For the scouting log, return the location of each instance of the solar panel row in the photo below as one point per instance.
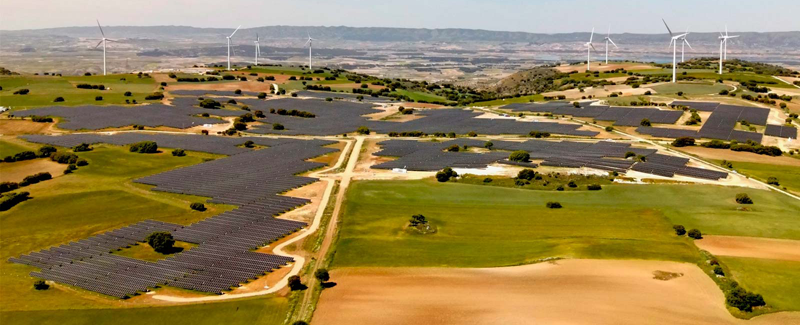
(782, 131)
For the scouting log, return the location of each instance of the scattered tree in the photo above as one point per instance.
(445, 174)
(695, 234)
(295, 283)
(679, 230)
(161, 241)
(363, 130)
(322, 275)
(144, 147)
(519, 155)
(197, 206)
(40, 285)
(553, 205)
(178, 152)
(743, 198)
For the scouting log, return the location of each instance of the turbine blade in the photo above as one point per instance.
(590, 44)
(735, 36)
(98, 43)
(101, 28)
(665, 25)
(687, 43)
(592, 36)
(234, 32)
(609, 32)
(612, 42)
(671, 40)
(726, 29)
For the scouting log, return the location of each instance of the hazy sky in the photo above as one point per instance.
(540, 16)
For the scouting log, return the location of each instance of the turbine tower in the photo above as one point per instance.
(103, 41)
(723, 47)
(309, 43)
(589, 48)
(608, 39)
(229, 46)
(674, 43)
(258, 48)
(684, 42)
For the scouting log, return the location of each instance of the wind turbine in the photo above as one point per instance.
(258, 48)
(589, 48)
(723, 47)
(674, 43)
(309, 43)
(608, 39)
(684, 42)
(229, 46)
(103, 41)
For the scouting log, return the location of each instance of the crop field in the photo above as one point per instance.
(778, 281)
(420, 96)
(94, 198)
(44, 89)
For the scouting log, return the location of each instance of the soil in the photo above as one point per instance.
(776, 249)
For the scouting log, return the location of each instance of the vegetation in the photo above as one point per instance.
(9, 200)
(178, 152)
(362, 130)
(446, 174)
(743, 198)
(683, 142)
(694, 234)
(161, 241)
(144, 147)
(553, 205)
(679, 230)
(519, 155)
(82, 147)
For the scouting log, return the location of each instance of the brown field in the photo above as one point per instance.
(17, 127)
(724, 154)
(16, 171)
(776, 249)
(599, 66)
(562, 292)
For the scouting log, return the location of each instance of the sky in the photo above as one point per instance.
(536, 16)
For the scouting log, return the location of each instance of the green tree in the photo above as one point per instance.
(519, 155)
(322, 275)
(161, 241)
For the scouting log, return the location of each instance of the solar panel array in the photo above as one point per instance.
(700, 106)
(223, 258)
(622, 116)
(203, 92)
(782, 131)
(343, 96)
(719, 125)
(101, 117)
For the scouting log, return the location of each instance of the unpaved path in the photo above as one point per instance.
(769, 248)
(564, 292)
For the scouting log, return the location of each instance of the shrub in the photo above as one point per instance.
(8, 186)
(609, 128)
(520, 182)
(717, 144)
(204, 132)
(7, 201)
(81, 162)
(237, 91)
(64, 158)
(742, 299)
(128, 94)
(718, 270)
(723, 92)
(41, 119)
(743, 198)
(537, 134)
(82, 147)
(144, 147)
(197, 206)
(683, 142)
(560, 188)
(161, 241)
(277, 126)
(58, 99)
(773, 181)
(519, 155)
(695, 234)
(178, 152)
(40, 285)
(322, 275)
(488, 145)
(259, 114)
(362, 130)
(210, 103)
(247, 117)
(630, 154)
(553, 205)
(594, 187)
(22, 92)
(295, 283)
(453, 148)
(239, 126)
(249, 144)
(645, 122)
(679, 230)
(25, 155)
(262, 95)
(98, 98)
(155, 96)
(572, 184)
(526, 173)
(487, 180)
(472, 134)
(445, 174)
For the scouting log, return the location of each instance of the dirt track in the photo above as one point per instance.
(776, 249)
(565, 292)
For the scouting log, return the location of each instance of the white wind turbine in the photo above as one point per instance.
(309, 43)
(589, 48)
(674, 43)
(608, 39)
(684, 42)
(258, 48)
(103, 41)
(229, 45)
(723, 47)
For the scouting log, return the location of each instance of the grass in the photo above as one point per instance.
(777, 281)
(44, 89)
(492, 226)
(261, 311)
(788, 176)
(549, 181)
(143, 251)
(10, 147)
(420, 96)
(514, 100)
(481, 226)
(95, 198)
(690, 88)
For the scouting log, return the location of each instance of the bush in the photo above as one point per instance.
(128, 94)
(239, 126)
(247, 117)
(295, 283)
(572, 184)
(472, 134)
(7, 201)
(155, 96)
(553, 205)
(144, 147)
(178, 152)
(453, 148)
(773, 181)
(723, 92)
(717, 144)
(645, 122)
(487, 180)
(98, 98)
(683, 142)
(210, 103)
(8, 186)
(594, 187)
(537, 134)
(22, 92)
(445, 174)
(64, 158)
(259, 114)
(25, 155)
(609, 128)
(41, 119)
(679, 230)
(526, 173)
(237, 91)
(161, 241)
(58, 99)
(197, 206)
(742, 299)
(743, 198)
(277, 126)
(322, 275)
(718, 270)
(519, 155)
(362, 130)
(40, 285)
(695, 234)
(82, 147)
(488, 145)
(81, 162)
(262, 95)
(560, 188)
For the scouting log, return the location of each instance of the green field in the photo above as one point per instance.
(44, 89)
(492, 226)
(778, 281)
(513, 100)
(10, 147)
(690, 88)
(260, 311)
(788, 176)
(94, 198)
(417, 96)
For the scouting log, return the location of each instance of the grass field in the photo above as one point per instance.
(549, 181)
(417, 96)
(260, 311)
(44, 89)
(690, 88)
(788, 176)
(94, 198)
(777, 281)
(713, 75)
(143, 251)
(10, 147)
(501, 102)
(492, 226)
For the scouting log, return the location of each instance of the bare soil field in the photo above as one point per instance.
(17, 127)
(561, 292)
(600, 91)
(16, 171)
(776, 249)
(598, 66)
(729, 155)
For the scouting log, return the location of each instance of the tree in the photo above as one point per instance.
(488, 145)
(58, 99)
(773, 181)
(743, 198)
(519, 155)
(553, 205)
(472, 134)
(363, 130)
(526, 174)
(240, 126)
(82, 147)
(144, 147)
(445, 174)
(98, 98)
(718, 270)
(683, 142)
(695, 234)
(40, 285)
(249, 144)
(277, 126)
(679, 230)
(81, 162)
(262, 95)
(178, 152)
(161, 241)
(210, 103)
(572, 184)
(645, 122)
(198, 206)
(322, 275)
(295, 283)
(128, 94)
(594, 187)
(259, 114)
(453, 148)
